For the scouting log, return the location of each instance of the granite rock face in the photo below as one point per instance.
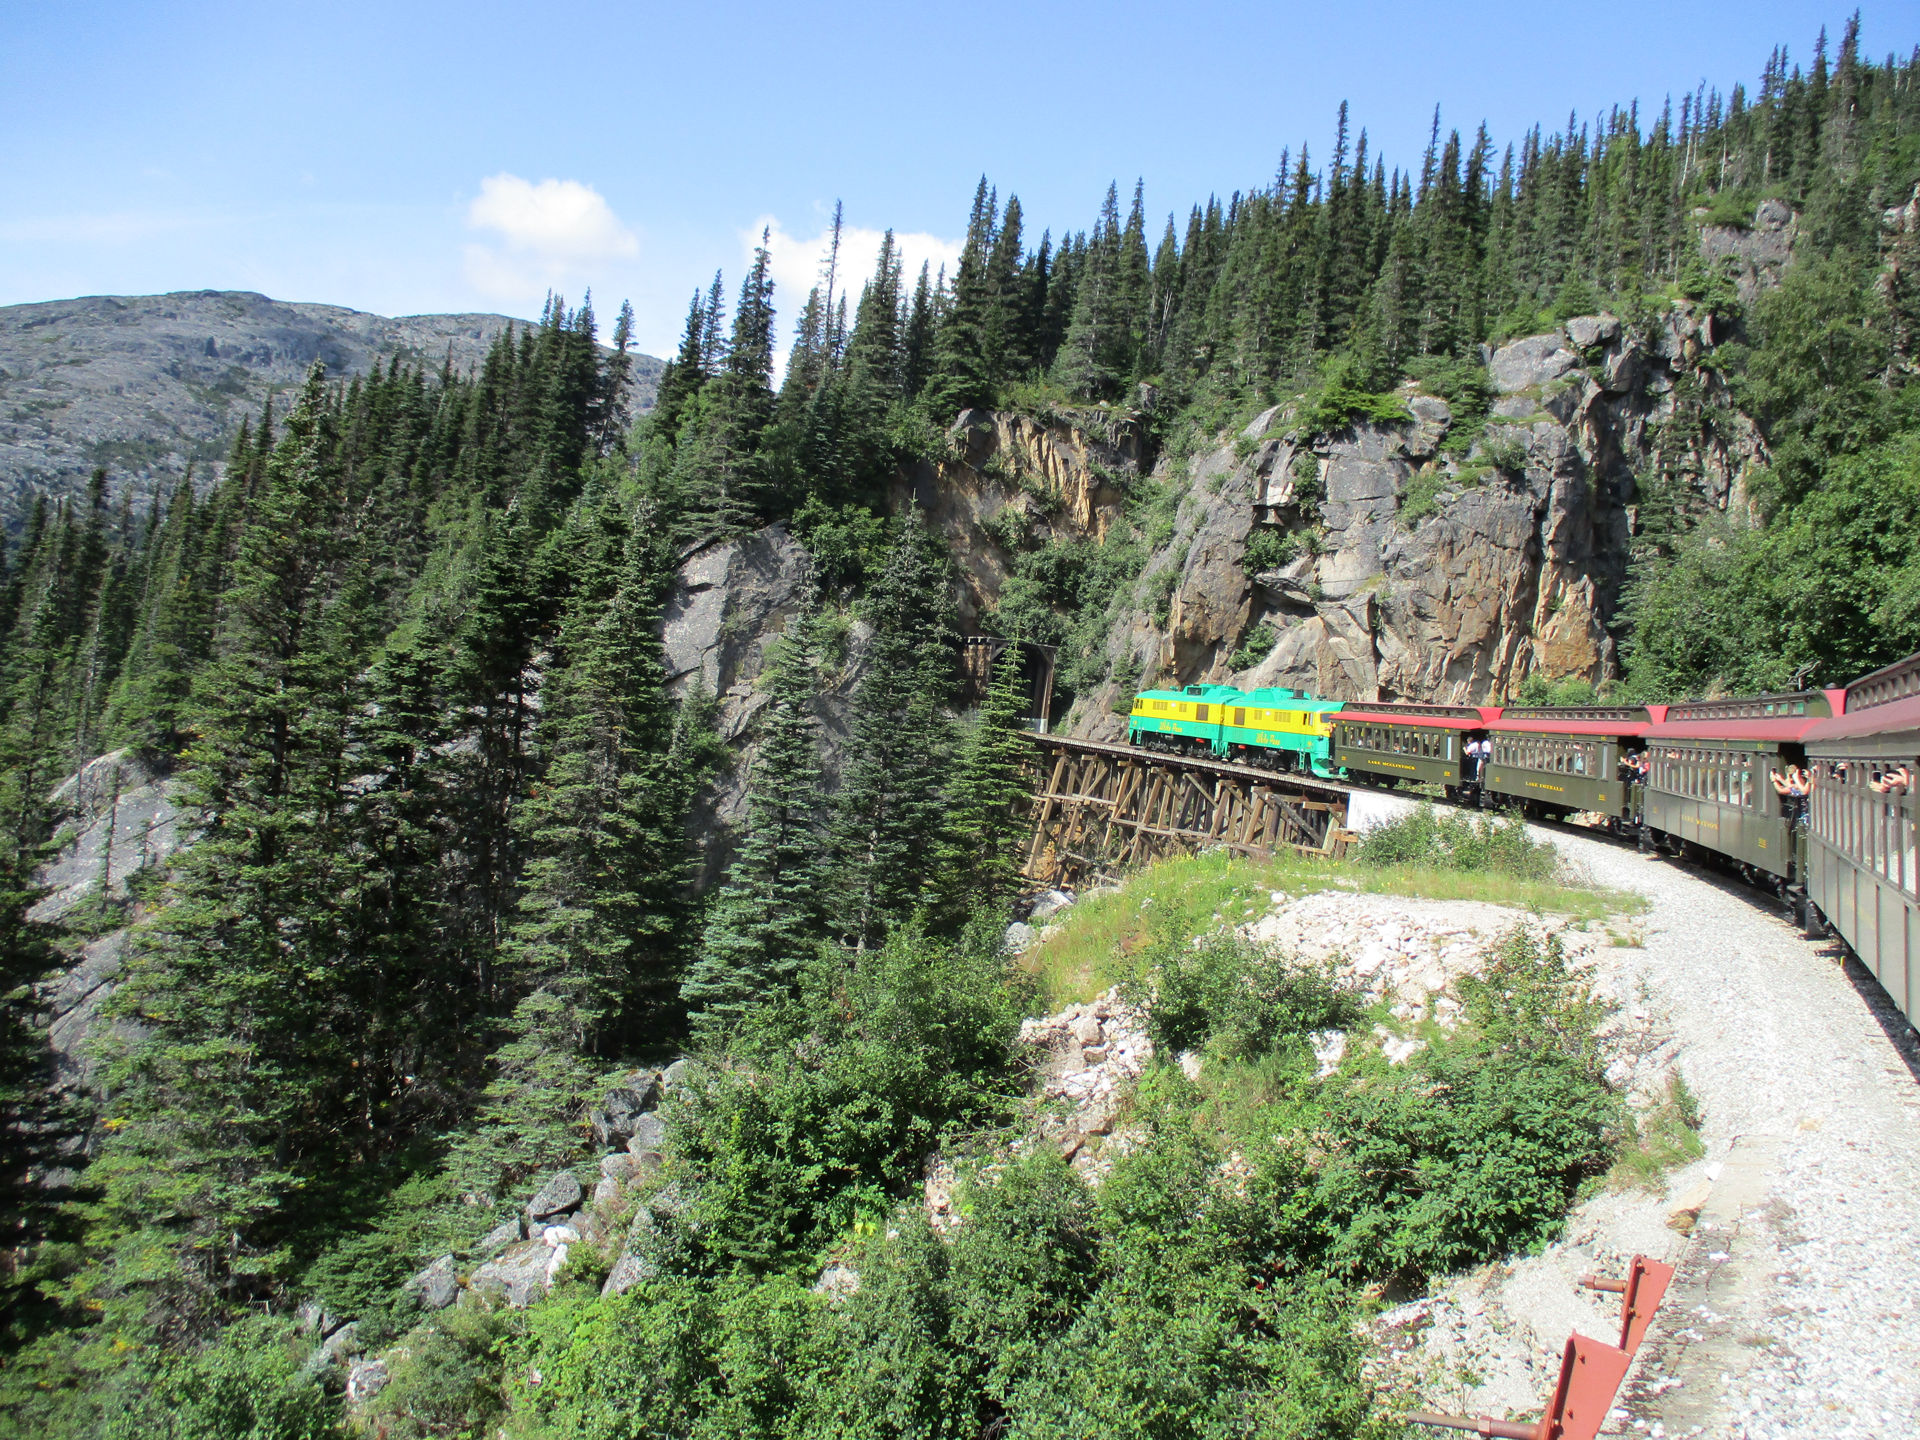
(145, 384)
(729, 602)
(124, 816)
(1017, 479)
(1760, 252)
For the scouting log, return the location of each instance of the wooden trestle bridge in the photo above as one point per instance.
(1099, 810)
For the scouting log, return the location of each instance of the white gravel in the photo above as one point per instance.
(1794, 1313)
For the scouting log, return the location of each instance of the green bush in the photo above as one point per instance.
(1341, 399)
(1537, 689)
(1505, 451)
(1269, 548)
(1429, 839)
(1472, 1150)
(1238, 999)
(1422, 495)
(445, 1378)
(824, 1110)
(246, 1385)
(845, 543)
(1254, 647)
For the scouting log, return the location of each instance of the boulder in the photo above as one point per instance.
(512, 1232)
(1051, 903)
(1019, 937)
(519, 1276)
(1088, 1030)
(837, 1282)
(1529, 363)
(366, 1379)
(561, 1192)
(628, 1271)
(342, 1345)
(630, 1096)
(674, 1076)
(1686, 1211)
(649, 1134)
(1587, 331)
(618, 1167)
(437, 1286)
(1432, 417)
(606, 1192)
(314, 1320)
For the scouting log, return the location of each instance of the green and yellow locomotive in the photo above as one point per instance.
(1273, 728)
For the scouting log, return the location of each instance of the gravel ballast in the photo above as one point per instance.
(1794, 1310)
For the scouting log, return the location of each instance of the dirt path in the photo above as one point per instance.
(1796, 1312)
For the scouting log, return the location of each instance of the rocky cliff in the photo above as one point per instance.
(1425, 559)
(144, 384)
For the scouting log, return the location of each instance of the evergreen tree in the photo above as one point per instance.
(227, 1105)
(979, 860)
(890, 807)
(770, 914)
(602, 906)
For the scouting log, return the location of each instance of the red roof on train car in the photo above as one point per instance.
(1885, 702)
(1780, 719)
(1880, 720)
(1628, 728)
(1788, 730)
(1474, 717)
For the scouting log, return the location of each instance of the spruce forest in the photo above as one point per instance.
(402, 660)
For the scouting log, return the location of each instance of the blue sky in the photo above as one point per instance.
(405, 157)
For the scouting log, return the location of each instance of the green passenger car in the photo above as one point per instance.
(1708, 779)
(1407, 742)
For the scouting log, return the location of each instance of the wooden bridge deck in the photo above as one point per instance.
(1099, 810)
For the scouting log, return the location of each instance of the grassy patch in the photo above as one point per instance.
(1667, 1137)
(1102, 941)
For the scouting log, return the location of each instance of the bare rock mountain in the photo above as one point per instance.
(146, 384)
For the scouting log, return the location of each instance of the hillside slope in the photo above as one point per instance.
(145, 384)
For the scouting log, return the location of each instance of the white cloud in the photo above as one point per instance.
(797, 263)
(549, 234)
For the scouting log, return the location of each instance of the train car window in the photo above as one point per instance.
(1200, 712)
(1240, 717)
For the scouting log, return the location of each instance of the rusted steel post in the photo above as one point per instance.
(1641, 1293)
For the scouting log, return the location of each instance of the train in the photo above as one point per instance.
(1689, 779)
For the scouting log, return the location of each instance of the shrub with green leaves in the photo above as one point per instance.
(246, 1385)
(1254, 647)
(1429, 839)
(823, 1110)
(1268, 548)
(1474, 1149)
(1238, 998)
